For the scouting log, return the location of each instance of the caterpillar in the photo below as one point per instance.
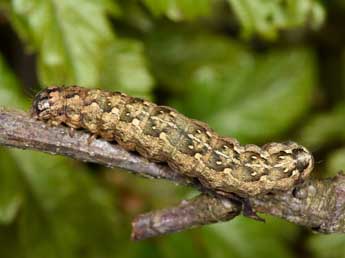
(161, 134)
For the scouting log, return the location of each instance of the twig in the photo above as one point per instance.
(201, 210)
(317, 204)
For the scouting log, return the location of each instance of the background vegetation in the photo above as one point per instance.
(256, 70)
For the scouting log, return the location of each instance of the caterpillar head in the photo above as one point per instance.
(48, 104)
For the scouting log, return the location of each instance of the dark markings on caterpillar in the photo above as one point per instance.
(161, 134)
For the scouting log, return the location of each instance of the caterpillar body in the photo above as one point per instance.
(161, 134)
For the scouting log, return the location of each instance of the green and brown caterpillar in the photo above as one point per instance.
(161, 134)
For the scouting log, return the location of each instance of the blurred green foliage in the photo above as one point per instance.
(268, 17)
(255, 70)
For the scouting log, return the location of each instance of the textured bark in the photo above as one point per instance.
(316, 204)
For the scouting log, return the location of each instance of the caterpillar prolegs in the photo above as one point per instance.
(190, 147)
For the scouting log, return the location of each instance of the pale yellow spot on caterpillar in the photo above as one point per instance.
(191, 147)
(295, 173)
(73, 99)
(94, 105)
(222, 154)
(237, 149)
(136, 122)
(163, 121)
(227, 171)
(75, 117)
(198, 156)
(191, 136)
(207, 146)
(252, 165)
(218, 162)
(163, 136)
(264, 178)
(236, 161)
(264, 155)
(115, 111)
(55, 123)
(279, 165)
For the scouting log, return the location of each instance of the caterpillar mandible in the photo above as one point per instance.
(190, 147)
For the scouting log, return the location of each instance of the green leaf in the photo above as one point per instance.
(268, 17)
(250, 96)
(327, 246)
(124, 69)
(66, 214)
(324, 129)
(10, 92)
(242, 238)
(68, 36)
(137, 17)
(279, 92)
(179, 9)
(11, 188)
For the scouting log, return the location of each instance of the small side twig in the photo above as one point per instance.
(201, 210)
(317, 204)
